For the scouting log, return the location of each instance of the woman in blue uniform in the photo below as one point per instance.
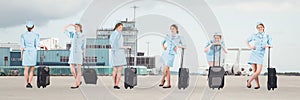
(117, 57)
(29, 43)
(258, 43)
(209, 49)
(173, 41)
(77, 51)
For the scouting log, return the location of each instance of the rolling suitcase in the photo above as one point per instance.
(183, 76)
(216, 73)
(89, 74)
(130, 77)
(43, 76)
(272, 78)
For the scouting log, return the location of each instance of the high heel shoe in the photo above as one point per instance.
(28, 85)
(257, 87)
(75, 87)
(249, 85)
(167, 87)
(116, 87)
(160, 85)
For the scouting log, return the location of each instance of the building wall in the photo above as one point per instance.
(15, 58)
(53, 57)
(51, 43)
(4, 56)
(13, 46)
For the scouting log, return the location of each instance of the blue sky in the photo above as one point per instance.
(237, 19)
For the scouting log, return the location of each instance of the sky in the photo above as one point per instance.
(237, 19)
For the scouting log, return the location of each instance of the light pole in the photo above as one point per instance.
(148, 48)
(134, 8)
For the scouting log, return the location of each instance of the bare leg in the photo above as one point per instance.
(164, 74)
(26, 74)
(72, 69)
(31, 74)
(168, 76)
(259, 67)
(119, 73)
(210, 63)
(252, 77)
(114, 74)
(78, 76)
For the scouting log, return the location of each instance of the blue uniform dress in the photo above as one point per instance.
(259, 40)
(117, 55)
(210, 53)
(168, 55)
(30, 42)
(77, 47)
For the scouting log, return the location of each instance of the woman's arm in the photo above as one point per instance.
(248, 45)
(22, 43)
(207, 47)
(269, 43)
(66, 27)
(163, 44)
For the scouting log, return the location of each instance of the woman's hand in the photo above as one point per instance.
(22, 49)
(206, 50)
(164, 48)
(268, 46)
(42, 47)
(175, 49)
(252, 47)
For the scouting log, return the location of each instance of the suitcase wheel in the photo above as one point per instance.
(125, 85)
(269, 88)
(38, 86)
(131, 87)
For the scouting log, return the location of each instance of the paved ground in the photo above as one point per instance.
(13, 88)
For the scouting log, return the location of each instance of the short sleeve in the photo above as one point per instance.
(164, 40)
(250, 39)
(69, 34)
(182, 42)
(208, 43)
(269, 42)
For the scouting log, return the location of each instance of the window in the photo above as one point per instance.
(64, 59)
(91, 59)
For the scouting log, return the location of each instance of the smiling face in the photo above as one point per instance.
(77, 28)
(173, 30)
(120, 28)
(260, 28)
(217, 38)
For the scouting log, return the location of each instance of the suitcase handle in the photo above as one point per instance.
(182, 53)
(214, 60)
(42, 55)
(269, 51)
(129, 57)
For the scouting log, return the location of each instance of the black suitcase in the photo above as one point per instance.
(272, 78)
(89, 74)
(183, 76)
(216, 73)
(43, 76)
(130, 77)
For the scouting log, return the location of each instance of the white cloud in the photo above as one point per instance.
(16, 12)
(274, 6)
